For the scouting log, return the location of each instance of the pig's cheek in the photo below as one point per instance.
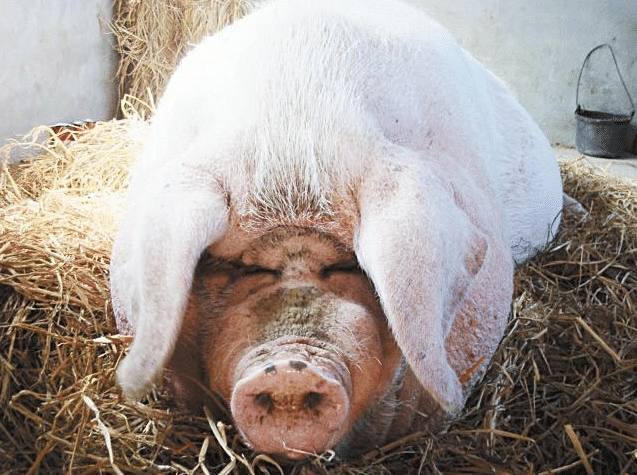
(230, 332)
(373, 356)
(234, 333)
(371, 379)
(184, 370)
(364, 319)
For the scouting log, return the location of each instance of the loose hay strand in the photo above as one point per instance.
(578, 448)
(599, 340)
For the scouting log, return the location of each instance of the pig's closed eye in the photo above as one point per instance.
(328, 271)
(256, 270)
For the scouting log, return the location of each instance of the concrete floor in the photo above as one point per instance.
(624, 168)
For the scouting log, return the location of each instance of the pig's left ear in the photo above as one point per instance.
(169, 222)
(429, 263)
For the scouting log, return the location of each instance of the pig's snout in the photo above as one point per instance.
(290, 407)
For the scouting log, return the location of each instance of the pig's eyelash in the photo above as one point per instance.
(243, 270)
(326, 272)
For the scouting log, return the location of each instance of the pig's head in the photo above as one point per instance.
(293, 338)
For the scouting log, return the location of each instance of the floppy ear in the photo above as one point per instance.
(424, 255)
(170, 220)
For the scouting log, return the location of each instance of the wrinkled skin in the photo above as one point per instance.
(323, 226)
(289, 332)
(292, 335)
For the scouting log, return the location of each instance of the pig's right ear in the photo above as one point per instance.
(422, 253)
(170, 220)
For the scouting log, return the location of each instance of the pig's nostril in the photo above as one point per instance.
(288, 405)
(312, 400)
(265, 401)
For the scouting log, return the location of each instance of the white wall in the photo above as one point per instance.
(57, 63)
(538, 47)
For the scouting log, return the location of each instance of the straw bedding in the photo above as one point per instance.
(560, 397)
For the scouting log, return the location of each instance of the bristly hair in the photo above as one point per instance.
(302, 140)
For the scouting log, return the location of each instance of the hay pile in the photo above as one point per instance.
(153, 36)
(560, 397)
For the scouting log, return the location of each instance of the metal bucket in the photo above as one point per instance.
(601, 134)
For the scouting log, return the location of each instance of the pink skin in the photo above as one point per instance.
(298, 402)
(289, 333)
(297, 347)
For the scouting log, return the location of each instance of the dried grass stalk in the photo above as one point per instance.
(153, 36)
(59, 212)
(560, 396)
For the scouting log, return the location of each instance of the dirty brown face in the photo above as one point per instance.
(292, 337)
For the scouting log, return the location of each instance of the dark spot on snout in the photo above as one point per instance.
(312, 400)
(265, 401)
(270, 369)
(298, 365)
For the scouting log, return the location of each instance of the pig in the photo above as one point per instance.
(322, 229)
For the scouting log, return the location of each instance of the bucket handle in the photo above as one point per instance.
(632, 105)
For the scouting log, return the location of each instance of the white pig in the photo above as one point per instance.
(323, 226)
